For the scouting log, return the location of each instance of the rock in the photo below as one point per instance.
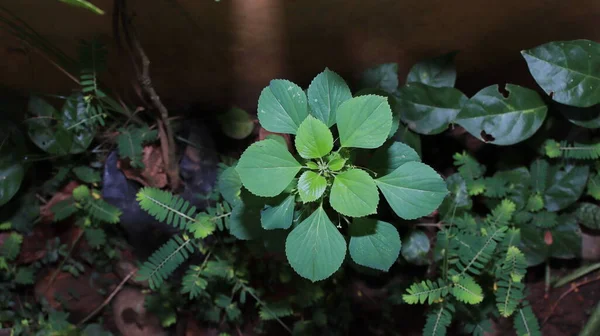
(131, 317)
(590, 245)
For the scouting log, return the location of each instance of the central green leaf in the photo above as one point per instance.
(413, 190)
(311, 186)
(282, 107)
(314, 139)
(354, 193)
(364, 122)
(266, 168)
(315, 248)
(374, 244)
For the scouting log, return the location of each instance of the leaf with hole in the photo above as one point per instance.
(266, 168)
(314, 139)
(567, 71)
(282, 107)
(325, 94)
(428, 109)
(493, 118)
(315, 248)
(311, 186)
(364, 122)
(354, 193)
(413, 190)
(375, 244)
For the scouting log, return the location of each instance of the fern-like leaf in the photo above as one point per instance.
(438, 321)
(164, 261)
(495, 187)
(102, 211)
(166, 207)
(468, 167)
(95, 237)
(63, 209)
(501, 214)
(588, 214)
(193, 283)
(12, 246)
(510, 286)
(475, 252)
(427, 290)
(545, 219)
(466, 290)
(554, 149)
(526, 323)
(25, 276)
(535, 203)
(130, 141)
(276, 310)
(593, 186)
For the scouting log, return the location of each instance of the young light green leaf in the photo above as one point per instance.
(312, 165)
(311, 186)
(230, 185)
(493, 118)
(84, 4)
(567, 71)
(336, 164)
(266, 168)
(354, 194)
(438, 72)
(315, 248)
(325, 94)
(282, 107)
(236, 123)
(384, 77)
(374, 244)
(364, 122)
(413, 190)
(314, 139)
(467, 290)
(11, 176)
(391, 156)
(428, 109)
(278, 216)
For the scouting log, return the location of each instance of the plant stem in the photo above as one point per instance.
(55, 274)
(547, 279)
(251, 292)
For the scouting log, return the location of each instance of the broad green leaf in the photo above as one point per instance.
(384, 77)
(311, 186)
(230, 185)
(87, 174)
(564, 185)
(325, 94)
(236, 123)
(336, 164)
(354, 193)
(413, 190)
(11, 176)
(245, 218)
(282, 107)
(565, 242)
(374, 244)
(280, 215)
(415, 248)
(266, 168)
(567, 71)
(428, 109)
(493, 118)
(405, 135)
(59, 133)
(364, 122)
(391, 100)
(315, 248)
(314, 139)
(438, 72)
(391, 156)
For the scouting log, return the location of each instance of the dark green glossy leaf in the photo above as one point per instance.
(588, 117)
(439, 71)
(428, 109)
(245, 218)
(384, 77)
(562, 241)
(492, 118)
(567, 71)
(564, 185)
(11, 176)
(325, 94)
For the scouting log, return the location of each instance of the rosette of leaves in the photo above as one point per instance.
(322, 178)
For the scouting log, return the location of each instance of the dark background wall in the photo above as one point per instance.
(225, 52)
